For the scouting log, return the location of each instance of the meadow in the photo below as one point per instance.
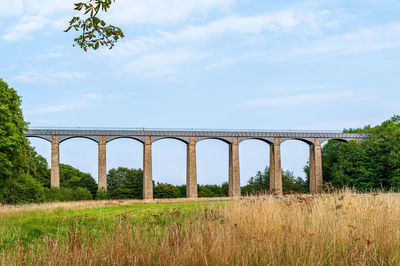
(336, 229)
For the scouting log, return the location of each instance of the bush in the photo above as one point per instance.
(60, 194)
(101, 194)
(24, 189)
(82, 193)
(163, 191)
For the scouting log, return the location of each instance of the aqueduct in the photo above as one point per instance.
(191, 136)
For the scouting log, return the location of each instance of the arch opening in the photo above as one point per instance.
(254, 156)
(295, 156)
(169, 164)
(212, 162)
(123, 152)
(82, 154)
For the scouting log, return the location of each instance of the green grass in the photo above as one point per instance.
(32, 226)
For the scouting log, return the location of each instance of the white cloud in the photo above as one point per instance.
(11, 7)
(84, 101)
(275, 22)
(49, 77)
(25, 26)
(161, 11)
(161, 64)
(295, 100)
(231, 60)
(364, 40)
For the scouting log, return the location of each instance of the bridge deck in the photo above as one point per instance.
(184, 134)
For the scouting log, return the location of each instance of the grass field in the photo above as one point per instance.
(338, 229)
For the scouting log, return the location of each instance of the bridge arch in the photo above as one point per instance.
(308, 141)
(64, 138)
(324, 141)
(110, 139)
(266, 140)
(48, 138)
(223, 139)
(182, 139)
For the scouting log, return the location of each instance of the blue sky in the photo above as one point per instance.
(204, 64)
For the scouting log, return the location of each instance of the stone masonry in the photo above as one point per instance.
(147, 170)
(102, 169)
(234, 170)
(191, 173)
(55, 162)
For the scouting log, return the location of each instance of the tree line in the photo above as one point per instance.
(373, 163)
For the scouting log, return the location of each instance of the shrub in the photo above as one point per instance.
(24, 189)
(162, 191)
(82, 193)
(101, 194)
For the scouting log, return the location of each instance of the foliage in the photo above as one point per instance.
(125, 183)
(374, 163)
(13, 144)
(82, 193)
(101, 194)
(94, 30)
(71, 177)
(259, 183)
(163, 190)
(23, 189)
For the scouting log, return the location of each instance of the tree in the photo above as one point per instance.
(125, 183)
(373, 163)
(260, 183)
(72, 178)
(94, 31)
(165, 191)
(14, 148)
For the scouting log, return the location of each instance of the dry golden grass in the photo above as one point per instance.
(340, 229)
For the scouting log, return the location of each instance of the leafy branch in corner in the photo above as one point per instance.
(95, 32)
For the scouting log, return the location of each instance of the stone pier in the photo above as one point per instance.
(191, 174)
(271, 168)
(55, 162)
(275, 167)
(316, 166)
(102, 167)
(147, 170)
(234, 170)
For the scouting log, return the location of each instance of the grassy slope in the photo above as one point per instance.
(30, 225)
(337, 229)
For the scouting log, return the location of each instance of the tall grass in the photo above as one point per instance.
(340, 229)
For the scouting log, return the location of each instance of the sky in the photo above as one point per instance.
(215, 64)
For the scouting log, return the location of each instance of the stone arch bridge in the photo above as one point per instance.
(191, 136)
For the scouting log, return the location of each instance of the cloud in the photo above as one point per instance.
(25, 26)
(55, 14)
(32, 76)
(295, 100)
(161, 64)
(277, 22)
(84, 101)
(364, 40)
(161, 11)
(11, 7)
